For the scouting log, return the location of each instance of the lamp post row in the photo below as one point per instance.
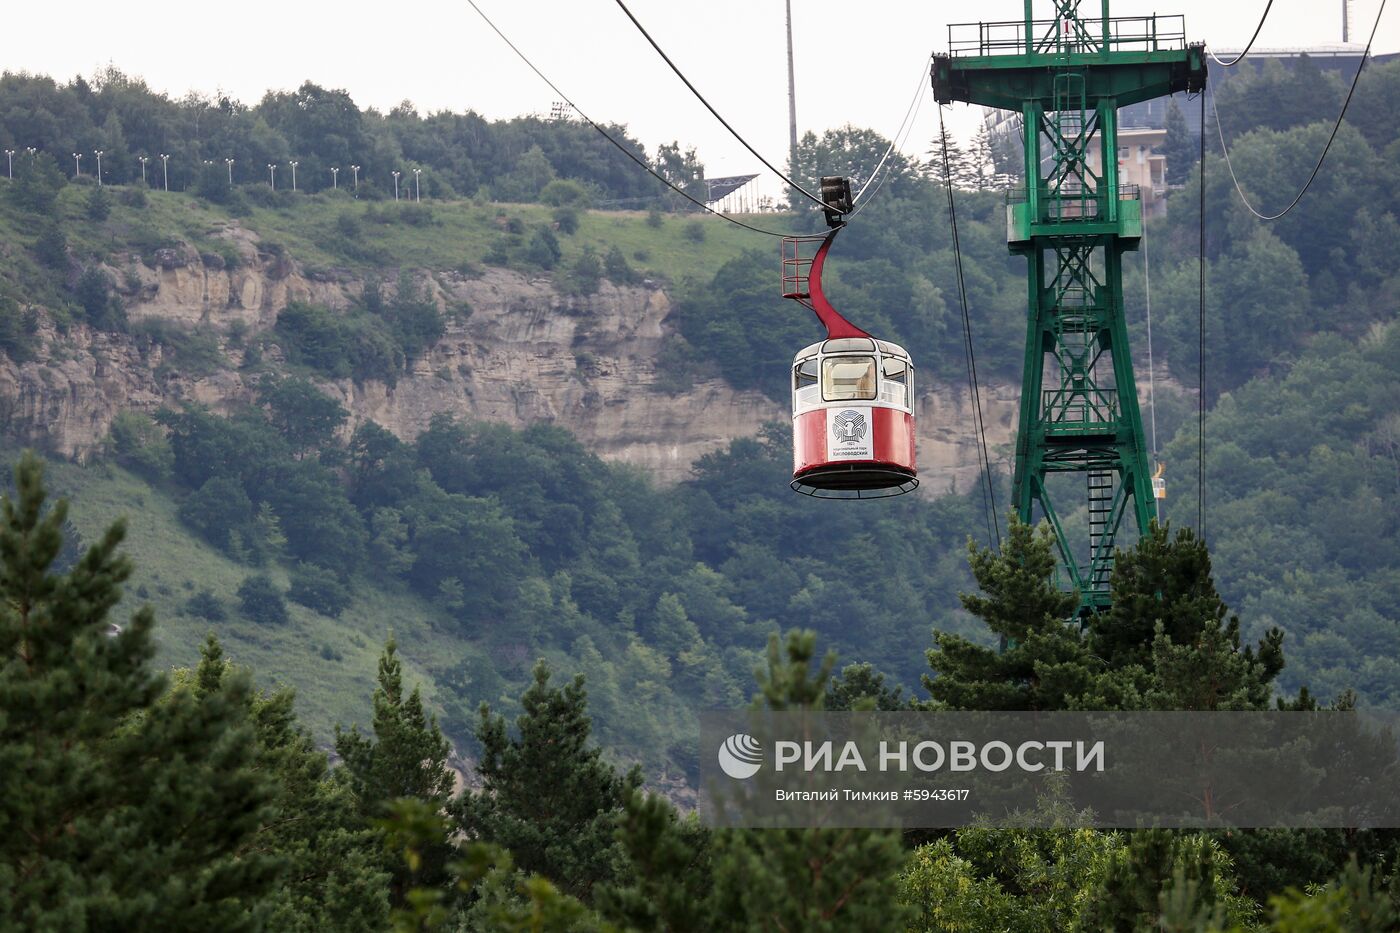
(228, 163)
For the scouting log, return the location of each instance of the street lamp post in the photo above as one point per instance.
(98, 153)
(396, 185)
(165, 170)
(77, 164)
(335, 176)
(143, 160)
(272, 175)
(294, 174)
(416, 173)
(10, 157)
(355, 169)
(229, 163)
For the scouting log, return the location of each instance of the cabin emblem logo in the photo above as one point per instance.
(740, 756)
(849, 427)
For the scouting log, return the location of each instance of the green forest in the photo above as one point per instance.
(272, 780)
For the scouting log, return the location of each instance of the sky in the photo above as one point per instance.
(856, 63)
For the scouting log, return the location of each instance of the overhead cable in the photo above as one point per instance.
(1240, 57)
(606, 135)
(911, 114)
(1365, 57)
(989, 498)
(700, 97)
(1201, 336)
(1151, 367)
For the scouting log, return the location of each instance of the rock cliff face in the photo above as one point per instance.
(525, 354)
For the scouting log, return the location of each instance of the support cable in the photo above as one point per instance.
(898, 145)
(1201, 337)
(1151, 369)
(989, 499)
(911, 113)
(1240, 57)
(700, 97)
(606, 135)
(1215, 106)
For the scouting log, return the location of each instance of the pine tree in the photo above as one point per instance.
(669, 876)
(337, 880)
(405, 758)
(981, 168)
(957, 161)
(1161, 871)
(121, 806)
(1162, 579)
(1180, 147)
(1042, 660)
(546, 794)
(1169, 636)
(805, 879)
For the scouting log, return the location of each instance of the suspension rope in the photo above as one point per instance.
(700, 97)
(1151, 369)
(606, 135)
(1201, 336)
(1215, 106)
(989, 499)
(910, 114)
(1240, 57)
(905, 131)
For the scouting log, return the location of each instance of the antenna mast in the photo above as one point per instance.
(792, 99)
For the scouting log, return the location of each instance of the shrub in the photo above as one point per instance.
(19, 331)
(205, 605)
(99, 205)
(653, 218)
(52, 247)
(566, 219)
(616, 267)
(694, 232)
(101, 308)
(195, 352)
(261, 602)
(349, 226)
(217, 510)
(415, 215)
(38, 180)
(134, 195)
(543, 248)
(319, 589)
(564, 193)
(262, 195)
(585, 273)
(135, 441)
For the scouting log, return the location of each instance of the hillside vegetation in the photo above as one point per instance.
(739, 554)
(333, 557)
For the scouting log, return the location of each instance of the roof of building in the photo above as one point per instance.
(717, 188)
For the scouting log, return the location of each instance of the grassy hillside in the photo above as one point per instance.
(335, 231)
(329, 661)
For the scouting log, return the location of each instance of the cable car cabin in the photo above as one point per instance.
(852, 395)
(852, 420)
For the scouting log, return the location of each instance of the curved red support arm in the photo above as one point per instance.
(836, 325)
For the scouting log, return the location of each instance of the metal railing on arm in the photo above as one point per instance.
(1051, 37)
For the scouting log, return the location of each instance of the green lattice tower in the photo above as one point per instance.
(1073, 221)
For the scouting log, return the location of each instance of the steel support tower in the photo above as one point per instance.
(1067, 76)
